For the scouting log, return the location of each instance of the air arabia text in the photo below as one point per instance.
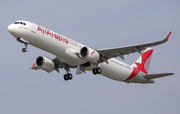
(56, 36)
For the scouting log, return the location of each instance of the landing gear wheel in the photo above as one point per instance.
(94, 71)
(24, 49)
(65, 77)
(70, 76)
(98, 70)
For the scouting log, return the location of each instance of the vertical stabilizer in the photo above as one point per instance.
(143, 62)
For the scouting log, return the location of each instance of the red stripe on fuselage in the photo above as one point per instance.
(134, 73)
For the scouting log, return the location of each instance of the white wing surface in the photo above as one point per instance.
(115, 52)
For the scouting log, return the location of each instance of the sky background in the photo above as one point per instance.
(98, 24)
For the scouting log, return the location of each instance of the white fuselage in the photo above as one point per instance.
(59, 46)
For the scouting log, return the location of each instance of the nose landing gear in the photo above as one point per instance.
(25, 49)
(21, 40)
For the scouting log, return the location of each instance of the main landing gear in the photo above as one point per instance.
(68, 76)
(97, 71)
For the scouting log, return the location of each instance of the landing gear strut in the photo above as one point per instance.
(97, 71)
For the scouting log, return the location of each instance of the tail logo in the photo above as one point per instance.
(144, 57)
(141, 66)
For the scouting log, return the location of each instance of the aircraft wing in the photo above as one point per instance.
(153, 76)
(114, 52)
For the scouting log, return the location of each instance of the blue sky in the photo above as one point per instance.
(98, 24)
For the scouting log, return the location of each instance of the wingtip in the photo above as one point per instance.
(172, 74)
(167, 38)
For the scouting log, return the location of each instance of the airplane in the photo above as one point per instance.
(71, 54)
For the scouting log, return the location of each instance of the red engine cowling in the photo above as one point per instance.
(89, 54)
(44, 63)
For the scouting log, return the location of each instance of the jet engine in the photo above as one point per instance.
(44, 63)
(89, 54)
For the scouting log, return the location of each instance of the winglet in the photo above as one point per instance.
(167, 38)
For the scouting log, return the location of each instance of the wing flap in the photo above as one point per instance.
(153, 76)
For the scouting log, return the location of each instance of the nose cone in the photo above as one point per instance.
(11, 29)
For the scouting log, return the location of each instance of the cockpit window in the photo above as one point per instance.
(16, 23)
(20, 23)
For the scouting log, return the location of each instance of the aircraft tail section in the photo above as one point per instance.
(143, 62)
(142, 65)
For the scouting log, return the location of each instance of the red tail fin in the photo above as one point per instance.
(143, 62)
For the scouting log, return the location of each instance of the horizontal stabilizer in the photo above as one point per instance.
(153, 76)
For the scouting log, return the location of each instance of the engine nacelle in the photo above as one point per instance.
(89, 54)
(44, 63)
(72, 55)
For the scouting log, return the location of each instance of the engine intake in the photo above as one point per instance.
(84, 52)
(39, 61)
(44, 63)
(89, 54)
